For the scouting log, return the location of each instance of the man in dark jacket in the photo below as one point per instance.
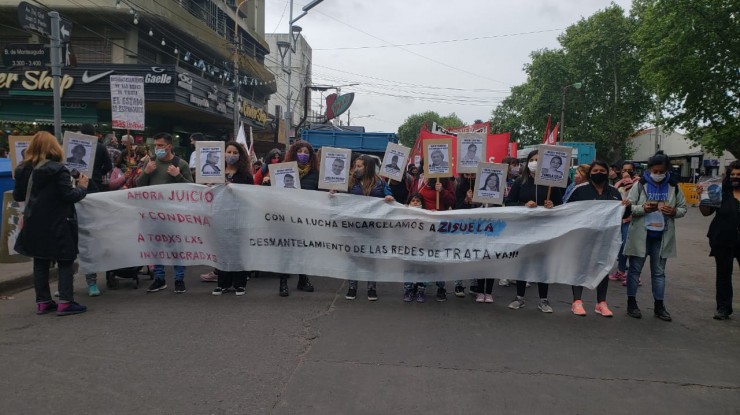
(102, 167)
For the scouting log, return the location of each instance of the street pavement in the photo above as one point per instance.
(317, 353)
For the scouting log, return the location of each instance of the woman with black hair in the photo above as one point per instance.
(724, 237)
(262, 176)
(525, 193)
(656, 203)
(237, 172)
(596, 188)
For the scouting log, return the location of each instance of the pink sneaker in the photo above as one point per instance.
(614, 276)
(46, 308)
(210, 277)
(480, 298)
(577, 308)
(488, 298)
(603, 309)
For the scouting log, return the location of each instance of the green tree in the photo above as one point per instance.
(409, 130)
(690, 50)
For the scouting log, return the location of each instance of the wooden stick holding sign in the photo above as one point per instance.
(552, 167)
(437, 160)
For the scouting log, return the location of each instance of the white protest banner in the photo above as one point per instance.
(127, 102)
(243, 227)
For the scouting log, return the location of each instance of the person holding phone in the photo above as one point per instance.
(656, 204)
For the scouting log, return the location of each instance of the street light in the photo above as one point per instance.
(294, 32)
(576, 85)
(359, 116)
(237, 84)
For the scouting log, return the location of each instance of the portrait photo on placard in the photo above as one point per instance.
(394, 161)
(471, 150)
(437, 155)
(490, 183)
(553, 165)
(334, 168)
(18, 145)
(285, 175)
(79, 152)
(210, 162)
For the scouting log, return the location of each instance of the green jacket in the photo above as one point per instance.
(636, 244)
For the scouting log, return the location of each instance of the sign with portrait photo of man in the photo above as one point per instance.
(18, 145)
(437, 158)
(471, 150)
(553, 166)
(490, 183)
(79, 152)
(394, 162)
(210, 162)
(334, 168)
(285, 175)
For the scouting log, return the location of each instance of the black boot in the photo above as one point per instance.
(661, 312)
(304, 284)
(284, 286)
(632, 309)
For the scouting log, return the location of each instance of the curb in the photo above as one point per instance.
(25, 281)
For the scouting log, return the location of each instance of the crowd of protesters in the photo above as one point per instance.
(652, 199)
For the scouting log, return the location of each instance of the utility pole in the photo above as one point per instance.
(56, 71)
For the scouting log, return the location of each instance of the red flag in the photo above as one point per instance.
(547, 130)
(553, 137)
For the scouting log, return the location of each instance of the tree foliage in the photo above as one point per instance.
(690, 51)
(409, 130)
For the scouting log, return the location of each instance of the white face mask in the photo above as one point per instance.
(657, 177)
(532, 166)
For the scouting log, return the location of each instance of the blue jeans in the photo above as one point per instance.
(179, 272)
(622, 261)
(657, 269)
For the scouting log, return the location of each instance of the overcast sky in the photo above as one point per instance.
(352, 43)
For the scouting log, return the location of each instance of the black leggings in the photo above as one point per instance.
(488, 282)
(600, 291)
(237, 279)
(521, 288)
(724, 258)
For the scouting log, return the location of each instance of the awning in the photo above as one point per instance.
(43, 113)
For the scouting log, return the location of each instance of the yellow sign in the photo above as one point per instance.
(253, 113)
(35, 81)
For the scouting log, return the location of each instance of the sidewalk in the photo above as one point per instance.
(18, 277)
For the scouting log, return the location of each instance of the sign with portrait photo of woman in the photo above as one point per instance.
(394, 162)
(437, 158)
(79, 152)
(490, 183)
(209, 157)
(553, 166)
(334, 168)
(285, 175)
(471, 150)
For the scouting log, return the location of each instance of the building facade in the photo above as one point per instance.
(299, 80)
(183, 49)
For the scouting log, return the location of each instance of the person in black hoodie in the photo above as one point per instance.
(724, 237)
(49, 231)
(525, 193)
(596, 188)
(308, 169)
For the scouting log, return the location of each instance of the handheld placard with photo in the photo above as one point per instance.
(79, 152)
(285, 175)
(437, 158)
(335, 165)
(394, 162)
(490, 183)
(471, 150)
(553, 165)
(209, 162)
(18, 145)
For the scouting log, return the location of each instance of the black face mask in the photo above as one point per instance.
(735, 183)
(599, 178)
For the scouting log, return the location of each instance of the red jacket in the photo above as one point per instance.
(446, 198)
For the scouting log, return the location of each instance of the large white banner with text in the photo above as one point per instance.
(243, 227)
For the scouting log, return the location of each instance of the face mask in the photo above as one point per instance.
(415, 207)
(358, 173)
(599, 178)
(657, 177)
(532, 166)
(303, 158)
(231, 159)
(735, 183)
(515, 171)
(160, 153)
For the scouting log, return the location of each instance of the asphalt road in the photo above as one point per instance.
(317, 353)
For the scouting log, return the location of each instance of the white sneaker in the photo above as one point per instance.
(544, 306)
(517, 303)
(479, 298)
(503, 282)
(210, 277)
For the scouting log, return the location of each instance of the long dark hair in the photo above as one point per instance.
(369, 178)
(272, 153)
(727, 182)
(525, 171)
(485, 182)
(292, 154)
(243, 165)
(597, 162)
